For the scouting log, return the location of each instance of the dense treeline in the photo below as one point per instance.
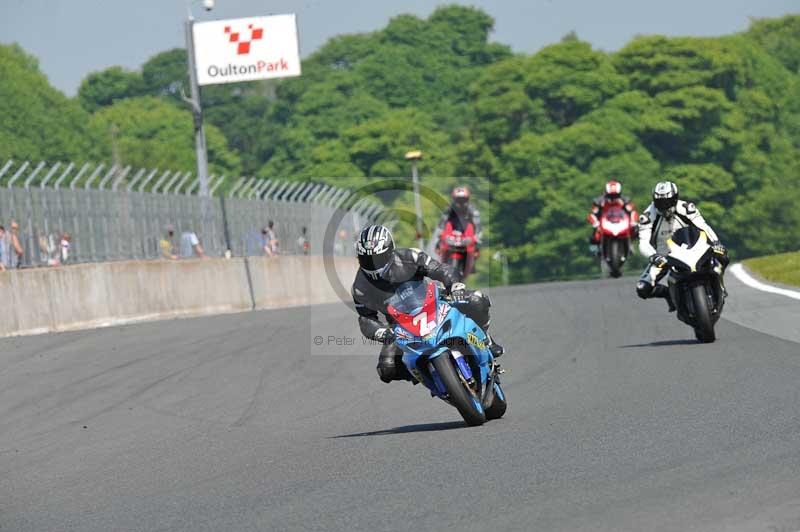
(720, 116)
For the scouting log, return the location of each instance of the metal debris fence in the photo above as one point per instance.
(117, 213)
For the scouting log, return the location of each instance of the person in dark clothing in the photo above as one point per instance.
(382, 268)
(460, 214)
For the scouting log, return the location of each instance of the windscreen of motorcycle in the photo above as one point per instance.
(409, 297)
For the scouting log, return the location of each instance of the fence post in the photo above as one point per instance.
(277, 194)
(225, 229)
(136, 177)
(17, 174)
(247, 189)
(149, 178)
(108, 175)
(49, 175)
(6, 167)
(92, 176)
(265, 195)
(289, 191)
(196, 182)
(329, 195)
(341, 199)
(161, 179)
(300, 192)
(264, 186)
(236, 187)
(216, 185)
(33, 174)
(171, 182)
(65, 174)
(45, 203)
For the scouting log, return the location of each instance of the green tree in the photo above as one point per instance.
(166, 74)
(100, 89)
(153, 133)
(780, 37)
(571, 79)
(39, 122)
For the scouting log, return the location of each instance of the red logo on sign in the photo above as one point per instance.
(243, 46)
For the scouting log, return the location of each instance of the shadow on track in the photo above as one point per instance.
(424, 427)
(663, 343)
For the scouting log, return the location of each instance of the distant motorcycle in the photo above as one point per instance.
(616, 234)
(695, 281)
(446, 351)
(458, 249)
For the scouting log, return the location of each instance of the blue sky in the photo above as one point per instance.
(74, 37)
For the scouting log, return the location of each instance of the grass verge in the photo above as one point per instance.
(781, 268)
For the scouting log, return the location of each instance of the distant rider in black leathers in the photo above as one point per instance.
(460, 214)
(382, 269)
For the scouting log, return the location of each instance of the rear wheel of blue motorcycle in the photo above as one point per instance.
(469, 407)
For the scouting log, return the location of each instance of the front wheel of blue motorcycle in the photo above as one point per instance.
(498, 406)
(467, 405)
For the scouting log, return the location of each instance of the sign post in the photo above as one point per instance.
(415, 156)
(201, 151)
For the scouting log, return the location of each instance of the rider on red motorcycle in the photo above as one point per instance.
(613, 196)
(460, 214)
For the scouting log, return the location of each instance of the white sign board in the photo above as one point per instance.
(246, 49)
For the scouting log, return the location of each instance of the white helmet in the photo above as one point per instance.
(665, 197)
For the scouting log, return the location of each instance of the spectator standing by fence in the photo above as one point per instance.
(165, 244)
(303, 245)
(14, 249)
(190, 246)
(48, 250)
(64, 246)
(270, 240)
(340, 245)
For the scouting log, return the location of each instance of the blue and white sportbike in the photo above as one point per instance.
(446, 351)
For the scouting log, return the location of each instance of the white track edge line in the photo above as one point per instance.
(741, 274)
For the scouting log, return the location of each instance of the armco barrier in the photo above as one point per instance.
(100, 294)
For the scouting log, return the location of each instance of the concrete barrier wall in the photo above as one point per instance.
(95, 295)
(297, 281)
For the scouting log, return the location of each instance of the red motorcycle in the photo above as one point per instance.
(459, 249)
(616, 236)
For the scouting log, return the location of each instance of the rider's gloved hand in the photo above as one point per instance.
(458, 292)
(658, 260)
(384, 336)
(718, 248)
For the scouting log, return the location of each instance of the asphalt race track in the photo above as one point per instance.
(618, 421)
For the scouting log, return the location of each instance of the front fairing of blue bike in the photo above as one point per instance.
(455, 333)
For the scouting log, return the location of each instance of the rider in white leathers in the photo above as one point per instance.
(665, 215)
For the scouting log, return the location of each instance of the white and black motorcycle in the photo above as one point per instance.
(695, 281)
